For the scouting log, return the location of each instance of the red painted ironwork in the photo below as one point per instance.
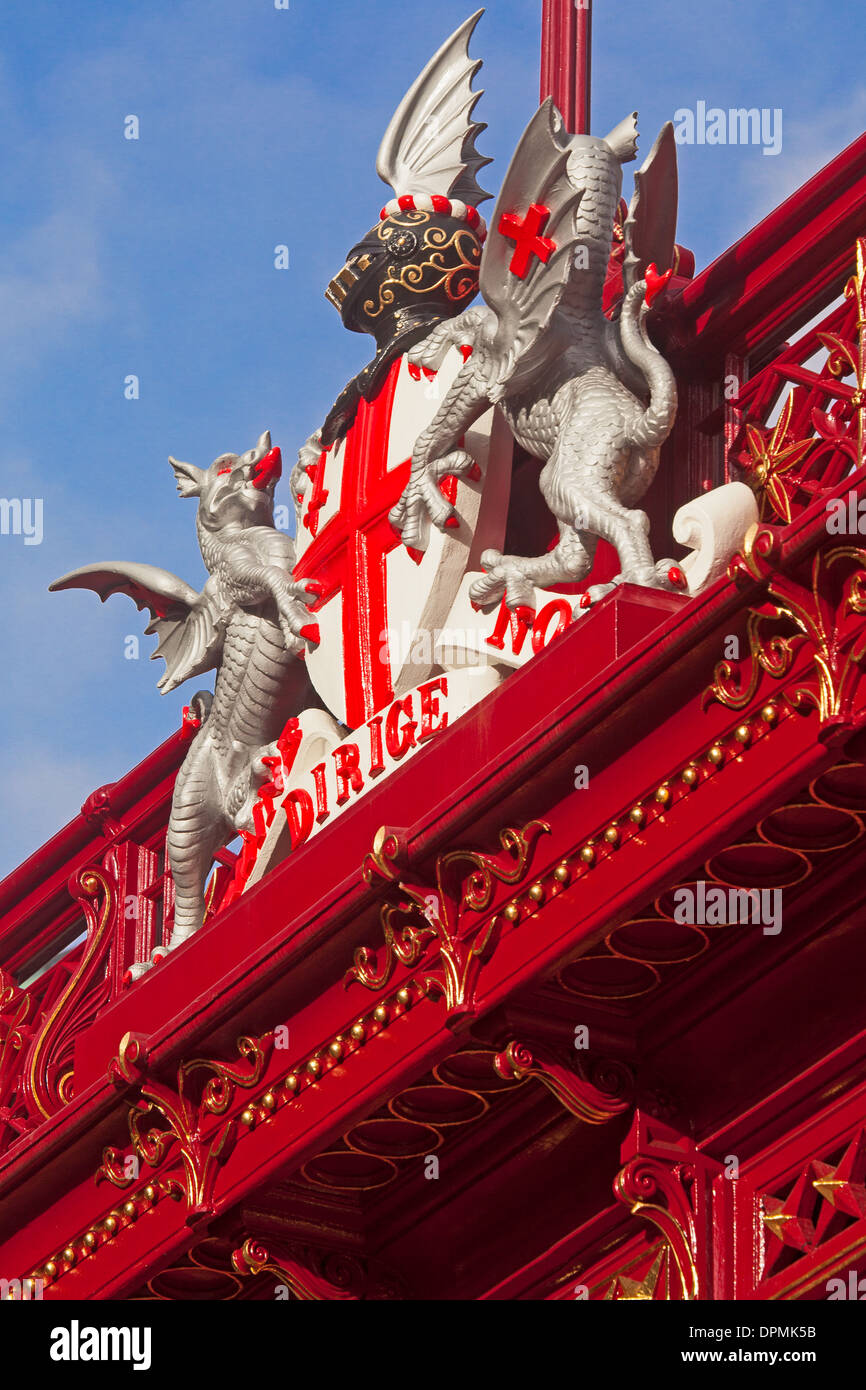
(417, 981)
(566, 56)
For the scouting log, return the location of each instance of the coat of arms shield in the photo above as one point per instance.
(383, 606)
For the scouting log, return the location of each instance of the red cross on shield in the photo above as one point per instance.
(382, 608)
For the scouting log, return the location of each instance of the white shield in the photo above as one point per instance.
(383, 607)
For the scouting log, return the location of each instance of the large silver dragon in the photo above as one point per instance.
(591, 397)
(250, 621)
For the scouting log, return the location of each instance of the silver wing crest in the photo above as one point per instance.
(651, 225)
(188, 625)
(429, 146)
(537, 176)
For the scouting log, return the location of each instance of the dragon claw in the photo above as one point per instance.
(669, 575)
(424, 501)
(502, 576)
(458, 463)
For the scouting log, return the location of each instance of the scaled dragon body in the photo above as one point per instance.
(251, 623)
(593, 399)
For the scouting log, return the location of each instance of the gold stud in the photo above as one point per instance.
(69, 1255)
(336, 1049)
(562, 873)
(314, 1066)
(690, 775)
(292, 1082)
(743, 734)
(90, 1239)
(769, 714)
(269, 1100)
(536, 892)
(587, 854)
(110, 1224)
(248, 1118)
(637, 814)
(512, 912)
(716, 754)
(612, 835)
(150, 1192)
(380, 1014)
(663, 794)
(358, 1032)
(51, 1269)
(404, 997)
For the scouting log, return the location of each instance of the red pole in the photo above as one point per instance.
(584, 67)
(566, 50)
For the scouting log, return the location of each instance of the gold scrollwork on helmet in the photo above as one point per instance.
(456, 273)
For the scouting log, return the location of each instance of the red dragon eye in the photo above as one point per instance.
(223, 470)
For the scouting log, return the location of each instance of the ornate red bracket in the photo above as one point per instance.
(594, 1104)
(824, 618)
(449, 916)
(255, 1258)
(202, 1147)
(667, 1181)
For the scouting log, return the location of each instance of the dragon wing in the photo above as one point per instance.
(651, 225)
(429, 146)
(189, 625)
(524, 304)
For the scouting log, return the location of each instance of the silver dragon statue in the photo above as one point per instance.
(592, 398)
(251, 622)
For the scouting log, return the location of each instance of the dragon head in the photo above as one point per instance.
(237, 489)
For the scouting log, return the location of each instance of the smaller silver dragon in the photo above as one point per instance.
(250, 622)
(593, 398)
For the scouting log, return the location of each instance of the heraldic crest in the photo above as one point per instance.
(396, 607)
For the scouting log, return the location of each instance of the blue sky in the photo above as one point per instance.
(155, 257)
